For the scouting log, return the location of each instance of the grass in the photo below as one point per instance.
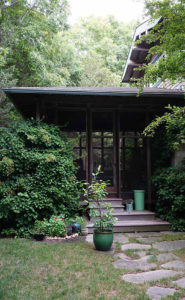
(153, 251)
(134, 240)
(68, 271)
(180, 253)
(132, 253)
(168, 237)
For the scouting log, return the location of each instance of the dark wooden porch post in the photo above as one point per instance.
(116, 131)
(89, 166)
(149, 172)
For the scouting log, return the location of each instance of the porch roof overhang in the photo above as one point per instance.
(138, 52)
(91, 91)
(27, 99)
(59, 105)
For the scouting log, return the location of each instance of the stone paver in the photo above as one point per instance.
(135, 246)
(89, 238)
(169, 246)
(140, 264)
(120, 238)
(149, 276)
(176, 264)
(143, 234)
(172, 232)
(122, 256)
(141, 253)
(180, 283)
(149, 239)
(166, 257)
(157, 292)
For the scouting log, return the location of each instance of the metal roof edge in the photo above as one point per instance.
(159, 92)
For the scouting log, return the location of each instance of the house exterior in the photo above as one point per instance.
(137, 57)
(108, 124)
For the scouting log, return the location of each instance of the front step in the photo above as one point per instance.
(135, 215)
(113, 201)
(132, 221)
(137, 226)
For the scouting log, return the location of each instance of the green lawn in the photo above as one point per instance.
(31, 270)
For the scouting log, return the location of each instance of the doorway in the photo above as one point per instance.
(103, 150)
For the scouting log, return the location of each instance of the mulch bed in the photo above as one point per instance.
(70, 239)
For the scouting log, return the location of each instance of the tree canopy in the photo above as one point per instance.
(168, 39)
(102, 46)
(39, 48)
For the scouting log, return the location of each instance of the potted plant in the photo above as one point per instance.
(100, 211)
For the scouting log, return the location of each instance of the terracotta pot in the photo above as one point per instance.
(84, 231)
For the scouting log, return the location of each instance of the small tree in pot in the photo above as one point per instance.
(100, 211)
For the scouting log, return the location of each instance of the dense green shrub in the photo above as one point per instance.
(37, 175)
(55, 226)
(169, 184)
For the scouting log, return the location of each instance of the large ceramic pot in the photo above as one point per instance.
(103, 240)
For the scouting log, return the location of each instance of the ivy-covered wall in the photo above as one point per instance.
(37, 175)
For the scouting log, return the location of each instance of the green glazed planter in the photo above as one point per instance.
(103, 240)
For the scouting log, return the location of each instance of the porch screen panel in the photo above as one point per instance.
(102, 145)
(133, 161)
(78, 140)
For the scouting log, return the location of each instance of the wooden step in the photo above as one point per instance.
(122, 215)
(117, 209)
(113, 201)
(134, 215)
(137, 226)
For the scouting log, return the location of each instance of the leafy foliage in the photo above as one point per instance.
(37, 175)
(174, 122)
(38, 48)
(55, 226)
(95, 194)
(168, 38)
(102, 46)
(170, 188)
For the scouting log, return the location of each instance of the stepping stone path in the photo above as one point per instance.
(169, 246)
(149, 239)
(143, 234)
(170, 264)
(120, 238)
(166, 257)
(122, 256)
(135, 246)
(140, 264)
(156, 292)
(180, 283)
(149, 276)
(89, 238)
(141, 253)
(176, 264)
(171, 232)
